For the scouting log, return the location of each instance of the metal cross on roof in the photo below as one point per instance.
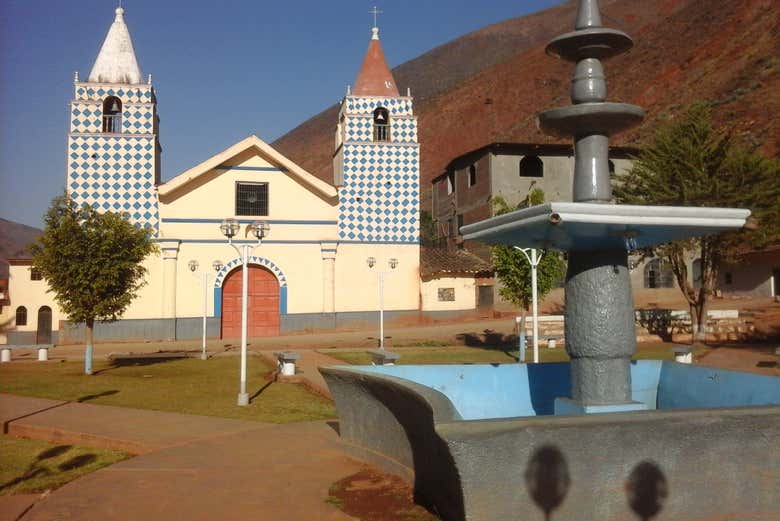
(375, 12)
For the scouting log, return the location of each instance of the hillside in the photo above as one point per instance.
(490, 84)
(14, 238)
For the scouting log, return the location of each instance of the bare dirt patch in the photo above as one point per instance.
(370, 495)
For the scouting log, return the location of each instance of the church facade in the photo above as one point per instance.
(318, 265)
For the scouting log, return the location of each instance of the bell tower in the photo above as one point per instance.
(113, 143)
(376, 164)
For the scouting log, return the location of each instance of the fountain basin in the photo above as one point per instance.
(589, 226)
(464, 435)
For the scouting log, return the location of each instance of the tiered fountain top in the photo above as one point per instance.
(591, 222)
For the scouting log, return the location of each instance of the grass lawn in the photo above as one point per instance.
(35, 466)
(477, 355)
(190, 386)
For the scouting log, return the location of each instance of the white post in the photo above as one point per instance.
(533, 260)
(381, 310)
(243, 396)
(203, 355)
(534, 303)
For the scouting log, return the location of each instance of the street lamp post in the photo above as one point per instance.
(229, 229)
(534, 261)
(193, 265)
(393, 262)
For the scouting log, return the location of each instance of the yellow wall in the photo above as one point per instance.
(357, 286)
(31, 294)
(465, 294)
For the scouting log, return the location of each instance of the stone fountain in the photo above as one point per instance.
(497, 442)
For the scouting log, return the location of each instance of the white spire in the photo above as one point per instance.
(116, 61)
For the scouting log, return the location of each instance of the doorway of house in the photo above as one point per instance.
(44, 326)
(484, 298)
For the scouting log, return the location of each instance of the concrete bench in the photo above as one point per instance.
(383, 357)
(683, 354)
(43, 351)
(286, 362)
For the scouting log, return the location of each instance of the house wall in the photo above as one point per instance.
(556, 181)
(357, 286)
(32, 294)
(753, 276)
(465, 294)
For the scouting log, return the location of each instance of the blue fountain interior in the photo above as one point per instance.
(515, 390)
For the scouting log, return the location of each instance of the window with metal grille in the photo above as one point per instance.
(35, 274)
(446, 294)
(658, 274)
(21, 316)
(381, 124)
(251, 198)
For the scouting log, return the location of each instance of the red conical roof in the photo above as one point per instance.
(375, 78)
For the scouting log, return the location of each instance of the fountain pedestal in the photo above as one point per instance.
(599, 331)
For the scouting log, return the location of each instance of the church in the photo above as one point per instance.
(324, 247)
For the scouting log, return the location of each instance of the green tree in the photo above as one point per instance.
(513, 269)
(91, 262)
(688, 162)
(427, 229)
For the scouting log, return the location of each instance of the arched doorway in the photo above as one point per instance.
(263, 307)
(44, 326)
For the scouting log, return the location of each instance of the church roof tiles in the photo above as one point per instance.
(375, 78)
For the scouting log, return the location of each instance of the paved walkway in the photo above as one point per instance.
(189, 467)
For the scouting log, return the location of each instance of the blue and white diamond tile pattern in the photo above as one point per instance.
(361, 129)
(138, 119)
(260, 261)
(379, 201)
(86, 117)
(367, 105)
(100, 91)
(115, 174)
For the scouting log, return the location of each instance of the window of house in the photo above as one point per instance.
(112, 115)
(531, 166)
(611, 167)
(21, 316)
(450, 183)
(446, 294)
(35, 274)
(472, 175)
(658, 274)
(251, 198)
(381, 124)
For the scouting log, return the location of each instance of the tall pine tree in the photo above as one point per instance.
(691, 163)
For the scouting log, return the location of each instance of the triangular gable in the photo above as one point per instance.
(264, 149)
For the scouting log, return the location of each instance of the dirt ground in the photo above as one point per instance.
(370, 495)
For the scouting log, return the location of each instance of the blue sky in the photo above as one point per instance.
(221, 70)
